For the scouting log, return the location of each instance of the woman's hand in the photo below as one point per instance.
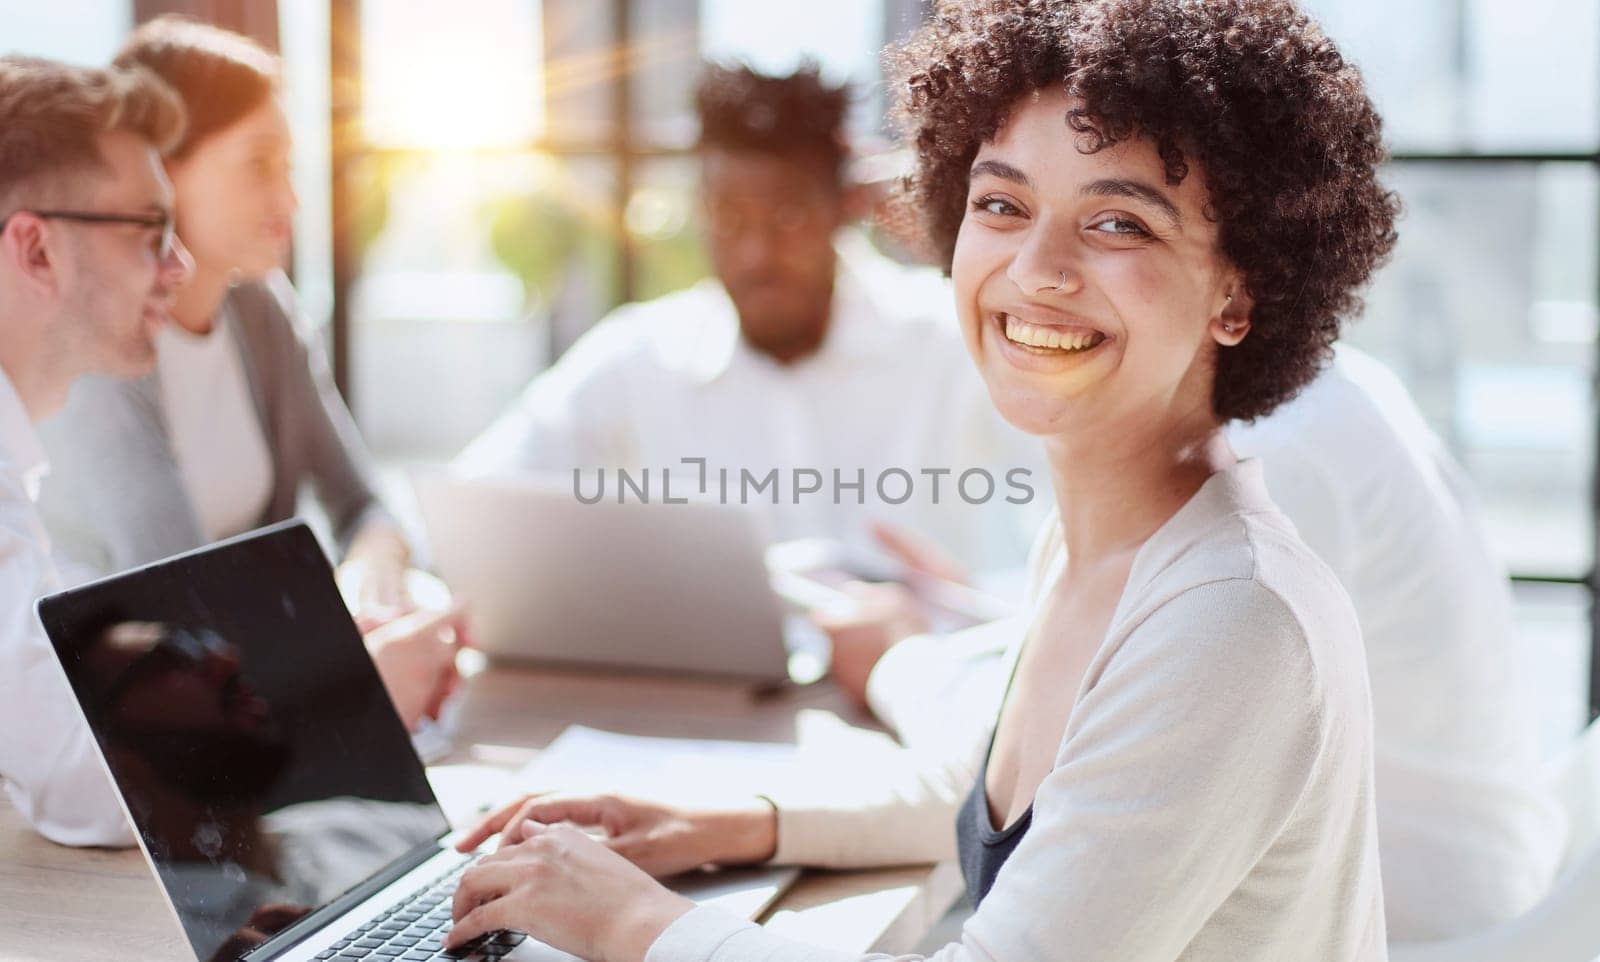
(566, 890)
(416, 658)
(660, 839)
(373, 576)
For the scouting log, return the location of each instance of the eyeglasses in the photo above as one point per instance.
(163, 222)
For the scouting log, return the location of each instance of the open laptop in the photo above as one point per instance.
(679, 588)
(272, 787)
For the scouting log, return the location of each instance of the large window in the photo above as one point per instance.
(1488, 314)
(523, 166)
(1489, 310)
(1476, 75)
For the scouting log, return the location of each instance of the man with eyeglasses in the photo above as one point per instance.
(89, 266)
(808, 358)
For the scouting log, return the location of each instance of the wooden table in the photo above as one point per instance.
(64, 903)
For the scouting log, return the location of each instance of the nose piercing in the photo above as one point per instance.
(1060, 285)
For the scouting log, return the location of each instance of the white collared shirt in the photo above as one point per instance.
(1376, 495)
(48, 760)
(891, 396)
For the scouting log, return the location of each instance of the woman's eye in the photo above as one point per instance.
(1120, 226)
(998, 206)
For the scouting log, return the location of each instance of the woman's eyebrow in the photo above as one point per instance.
(1136, 191)
(1002, 170)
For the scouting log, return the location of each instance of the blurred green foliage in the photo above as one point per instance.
(538, 234)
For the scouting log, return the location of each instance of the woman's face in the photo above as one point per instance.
(1091, 292)
(235, 203)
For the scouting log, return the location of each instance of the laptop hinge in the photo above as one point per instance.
(297, 933)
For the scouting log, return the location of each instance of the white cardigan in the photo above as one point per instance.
(1456, 759)
(1212, 793)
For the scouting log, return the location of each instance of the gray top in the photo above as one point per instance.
(115, 498)
(981, 849)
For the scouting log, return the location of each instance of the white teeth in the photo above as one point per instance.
(1038, 335)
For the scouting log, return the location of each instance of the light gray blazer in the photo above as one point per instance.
(115, 499)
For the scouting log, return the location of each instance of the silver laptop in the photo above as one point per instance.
(651, 587)
(274, 790)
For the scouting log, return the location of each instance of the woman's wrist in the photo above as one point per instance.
(642, 922)
(743, 836)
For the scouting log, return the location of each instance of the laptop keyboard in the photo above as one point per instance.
(414, 929)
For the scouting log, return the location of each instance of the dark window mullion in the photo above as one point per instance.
(626, 158)
(1594, 530)
(1533, 157)
(1594, 523)
(344, 119)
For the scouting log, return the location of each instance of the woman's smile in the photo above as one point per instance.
(1039, 346)
(1047, 338)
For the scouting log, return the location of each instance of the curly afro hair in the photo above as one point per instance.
(741, 109)
(1251, 91)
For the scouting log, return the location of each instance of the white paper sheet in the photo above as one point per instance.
(687, 770)
(587, 760)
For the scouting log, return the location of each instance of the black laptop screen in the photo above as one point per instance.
(248, 732)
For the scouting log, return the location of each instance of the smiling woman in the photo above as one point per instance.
(1156, 214)
(1080, 272)
(1264, 107)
